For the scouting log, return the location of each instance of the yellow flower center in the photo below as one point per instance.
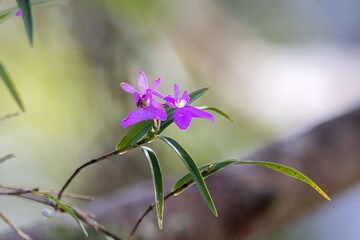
(181, 103)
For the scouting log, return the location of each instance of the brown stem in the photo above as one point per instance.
(8, 116)
(38, 196)
(7, 157)
(148, 210)
(96, 160)
(52, 192)
(20, 191)
(18, 231)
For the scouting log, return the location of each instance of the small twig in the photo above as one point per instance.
(148, 210)
(96, 160)
(19, 232)
(52, 192)
(18, 192)
(8, 116)
(37, 196)
(7, 157)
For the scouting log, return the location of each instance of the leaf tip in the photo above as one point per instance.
(327, 197)
(214, 211)
(160, 222)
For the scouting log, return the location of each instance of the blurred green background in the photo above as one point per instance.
(277, 67)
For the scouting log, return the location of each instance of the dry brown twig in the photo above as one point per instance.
(8, 116)
(37, 195)
(7, 157)
(19, 232)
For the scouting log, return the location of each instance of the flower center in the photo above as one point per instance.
(180, 103)
(143, 102)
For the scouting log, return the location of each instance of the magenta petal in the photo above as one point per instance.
(170, 101)
(156, 104)
(19, 13)
(198, 113)
(185, 97)
(159, 95)
(143, 114)
(181, 118)
(136, 97)
(156, 84)
(143, 83)
(127, 87)
(176, 90)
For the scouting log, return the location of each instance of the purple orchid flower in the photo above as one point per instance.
(147, 106)
(19, 13)
(184, 112)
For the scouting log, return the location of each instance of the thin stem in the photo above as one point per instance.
(7, 157)
(37, 196)
(148, 210)
(96, 160)
(8, 116)
(20, 191)
(18, 231)
(52, 192)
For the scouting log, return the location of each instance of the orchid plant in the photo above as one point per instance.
(154, 113)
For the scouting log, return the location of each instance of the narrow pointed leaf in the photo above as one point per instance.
(135, 133)
(68, 210)
(6, 15)
(198, 93)
(25, 6)
(9, 12)
(11, 87)
(158, 183)
(209, 169)
(218, 111)
(193, 171)
(170, 111)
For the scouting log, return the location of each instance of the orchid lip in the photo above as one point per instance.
(180, 104)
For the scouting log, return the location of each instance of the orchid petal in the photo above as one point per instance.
(185, 97)
(176, 90)
(148, 94)
(198, 113)
(19, 13)
(143, 83)
(157, 94)
(137, 97)
(143, 114)
(181, 118)
(170, 101)
(127, 87)
(156, 104)
(156, 84)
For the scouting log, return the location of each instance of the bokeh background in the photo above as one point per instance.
(277, 67)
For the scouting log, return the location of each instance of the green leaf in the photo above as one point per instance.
(158, 183)
(170, 111)
(11, 87)
(7, 13)
(193, 170)
(68, 210)
(218, 111)
(209, 169)
(198, 93)
(135, 133)
(25, 6)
